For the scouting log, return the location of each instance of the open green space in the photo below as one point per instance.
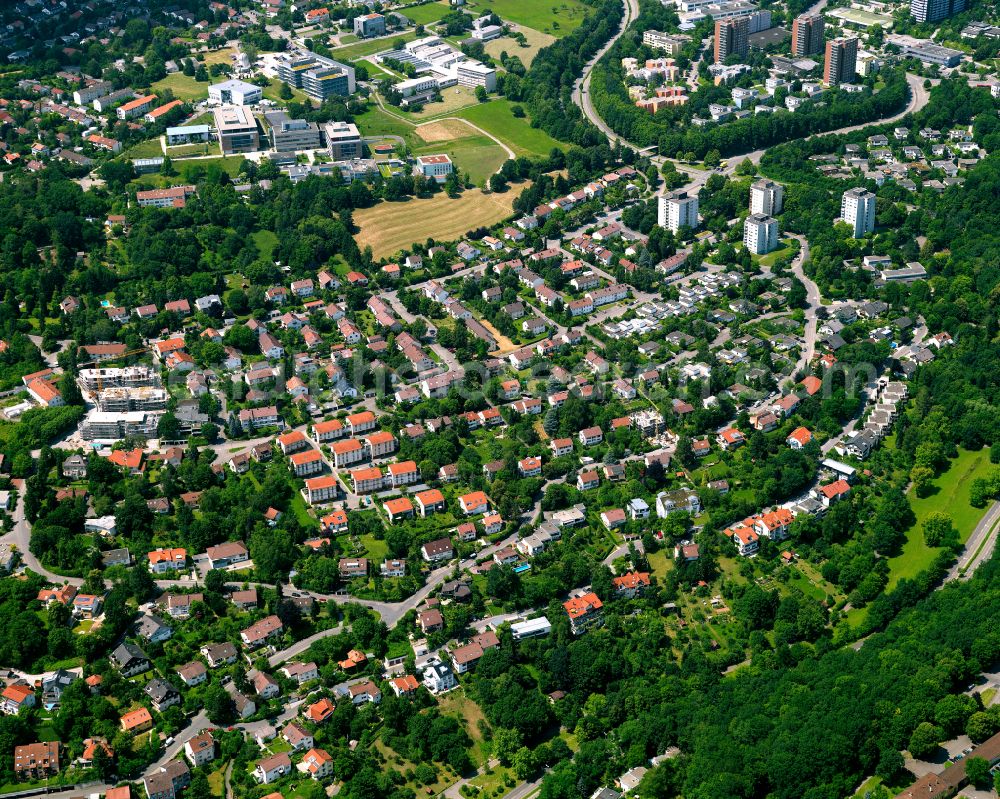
(183, 86)
(272, 93)
(951, 496)
(496, 118)
(557, 17)
(192, 170)
(477, 155)
(188, 150)
(786, 247)
(426, 13)
(145, 149)
(266, 241)
(536, 40)
(370, 47)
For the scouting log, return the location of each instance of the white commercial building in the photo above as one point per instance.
(676, 210)
(760, 234)
(857, 209)
(434, 166)
(235, 92)
(766, 197)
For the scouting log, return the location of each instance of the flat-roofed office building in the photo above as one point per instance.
(237, 129)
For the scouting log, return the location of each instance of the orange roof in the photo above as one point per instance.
(136, 718)
(328, 427)
(582, 605)
(403, 467)
(431, 496)
(365, 417)
(169, 345)
(138, 102)
(802, 435)
(368, 473)
(127, 460)
(163, 109)
(835, 489)
(631, 580)
(380, 437)
(337, 517)
(170, 555)
(308, 456)
(291, 438)
(343, 447)
(17, 693)
(44, 390)
(316, 483)
(811, 384)
(473, 499)
(320, 711)
(745, 534)
(400, 505)
(406, 683)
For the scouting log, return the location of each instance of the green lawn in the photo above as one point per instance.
(183, 87)
(367, 48)
(377, 550)
(557, 17)
(375, 122)
(785, 248)
(477, 155)
(192, 170)
(266, 241)
(189, 150)
(496, 118)
(951, 497)
(146, 149)
(298, 507)
(426, 13)
(272, 93)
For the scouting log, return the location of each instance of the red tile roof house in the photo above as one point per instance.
(612, 518)
(833, 492)
(798, 438)
(260, 632)
(631, 584)
(583, 611)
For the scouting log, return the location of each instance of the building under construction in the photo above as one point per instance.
(132, 398)
(94, 380)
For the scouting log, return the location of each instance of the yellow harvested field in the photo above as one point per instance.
(536, 41)
(445, 130)
(390, 227)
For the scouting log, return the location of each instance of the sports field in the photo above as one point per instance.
(389, 227)
(556, 17)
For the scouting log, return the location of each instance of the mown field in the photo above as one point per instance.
(389, 227)
(496, 117)
(555, 17)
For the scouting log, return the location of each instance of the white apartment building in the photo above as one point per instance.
(766, 197)
(760, 233)
(857, 209)
(677, 209)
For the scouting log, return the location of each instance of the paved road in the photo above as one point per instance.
(814, 302)
(581, 92)
(984, 535)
